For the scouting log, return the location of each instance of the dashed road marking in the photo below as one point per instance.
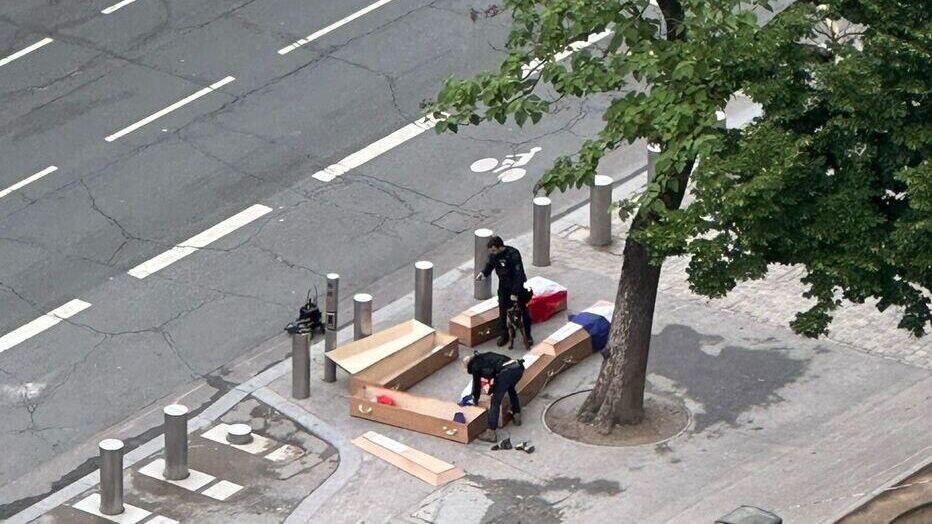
(42, 323)
(199, 241)
(28, 180)
(159, 114)
(116, 6)
(336, 25)
(375, 149)
(532, 67)
(23, 52)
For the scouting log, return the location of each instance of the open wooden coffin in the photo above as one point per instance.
(477, 324)
(411, 365)
(422, 414)
(361, 354)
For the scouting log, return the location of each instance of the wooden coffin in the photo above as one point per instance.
(422, 414)
(569, 342)
(384, 345)
(423, 466)
(477, 324)
(409, 366)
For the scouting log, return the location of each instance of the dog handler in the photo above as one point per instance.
(505, 374)
(506, 261)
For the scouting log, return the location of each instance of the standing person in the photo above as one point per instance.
(506, 261)
(505, 373)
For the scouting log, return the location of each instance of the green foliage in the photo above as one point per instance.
(835, 176)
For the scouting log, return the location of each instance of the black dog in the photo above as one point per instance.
(516, 324)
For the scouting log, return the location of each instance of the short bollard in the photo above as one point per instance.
(176, 442)
(111, 476)
(301, 364)
(541, 256)
(482, 289)
(362, 316)
(330, 325)
(600, 219)
(653, 153)
(239, 434)
(424, 292)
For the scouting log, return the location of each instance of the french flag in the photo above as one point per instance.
(549, 298)
(597, 321)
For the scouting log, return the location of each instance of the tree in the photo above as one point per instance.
(835, 176)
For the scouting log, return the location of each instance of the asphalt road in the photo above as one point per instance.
(122, 195)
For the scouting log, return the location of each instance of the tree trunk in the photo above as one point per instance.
(618, 396)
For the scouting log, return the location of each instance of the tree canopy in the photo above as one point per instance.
(834, 176)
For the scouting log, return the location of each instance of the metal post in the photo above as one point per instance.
(362, 316)
(541, 232)
(721, 120)
(482, 289)
(176, 442)
(653, 153)
(301, 364)
(111, 476)
(330, 332)
(600, 219)
(424, 292)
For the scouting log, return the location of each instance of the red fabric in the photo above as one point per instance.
(542, 307)
(385, 399)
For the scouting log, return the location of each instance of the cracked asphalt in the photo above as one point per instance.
(111, 206)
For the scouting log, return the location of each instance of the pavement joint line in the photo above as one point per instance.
(350, 456)
(332, 27)
(33, 328)
(23, 52)
(159, 114)
(28, 180)
(116, 6)
(199, 241)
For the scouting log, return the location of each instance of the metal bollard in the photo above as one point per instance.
(424, 292)
(482, 289)
(111, 476)
(330, 327)
(541, 256)
(301, 365)
(653, 153)
(362, 316)
(721, 120)
(176, 442)
(600, 220)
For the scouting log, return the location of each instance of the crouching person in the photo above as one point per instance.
(505, 373)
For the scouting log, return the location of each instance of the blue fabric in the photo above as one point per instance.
(596, 325)
(459, 417)
(466, 401)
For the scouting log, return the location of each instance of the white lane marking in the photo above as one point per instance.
(42, 323)
(27, 181)
(336, 25)
(23, 52)
(116, 6)
(183, 102)
(199, 241)
(532, 67)
(375, 149)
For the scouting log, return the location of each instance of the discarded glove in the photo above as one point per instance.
(525, 446)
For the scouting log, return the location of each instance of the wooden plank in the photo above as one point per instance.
(428, 468)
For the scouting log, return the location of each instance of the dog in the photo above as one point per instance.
(516, 324)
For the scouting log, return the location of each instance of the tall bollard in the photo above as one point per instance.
(424, 292)
(362, 316)
(482, 289)
(301, 364)
(176, 442)
(541, 256)
(653, 153)
(600, 219)
(111, 476)
(330, 331)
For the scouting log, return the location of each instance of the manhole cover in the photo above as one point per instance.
(664, 418)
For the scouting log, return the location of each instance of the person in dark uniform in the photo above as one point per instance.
(505, 374)
(506, 262)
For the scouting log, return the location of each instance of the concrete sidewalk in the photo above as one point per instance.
(806, 429)
(803, 428)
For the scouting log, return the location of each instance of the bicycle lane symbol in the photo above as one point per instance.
(508, 169)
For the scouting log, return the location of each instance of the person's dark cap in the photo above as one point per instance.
(495, 241)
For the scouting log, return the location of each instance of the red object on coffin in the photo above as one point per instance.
(549, 298)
